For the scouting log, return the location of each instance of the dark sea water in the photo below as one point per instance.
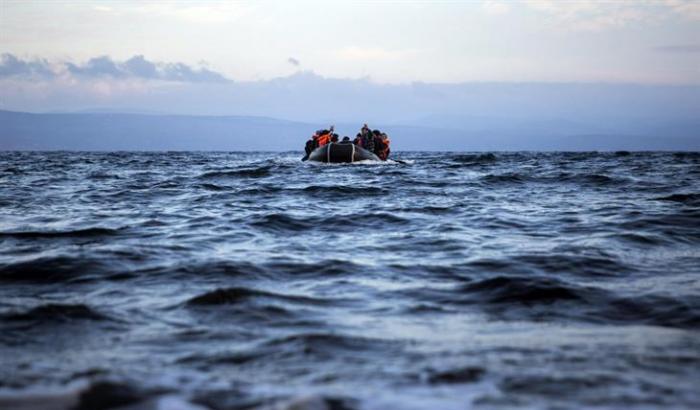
(253, 280)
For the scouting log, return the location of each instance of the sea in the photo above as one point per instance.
(436, 280)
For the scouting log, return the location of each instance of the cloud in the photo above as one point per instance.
(137, 67)
(184, 73)
(495, 7)
(588, 15)
(372, 54)
(96, 67)
(293, 61)
(679, 48)
(593, 15)
(140, 67)
(193, 12)
(104, 9)
(689, 9)
(10, 66)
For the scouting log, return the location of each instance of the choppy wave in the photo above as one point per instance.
(231, 296)
(257, 172)
(283, 222)
(690, 199)
(55, 313)
(77, 233)
(50, 269)
(461, 375)
(353, 191)
(440, 281)
(524, 290)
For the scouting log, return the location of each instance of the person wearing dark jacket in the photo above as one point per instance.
(311, 144)
(367, 138)
(358, 140)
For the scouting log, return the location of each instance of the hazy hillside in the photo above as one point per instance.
(101, 131)
(109, 131)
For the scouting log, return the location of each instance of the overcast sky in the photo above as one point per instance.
(652, 42)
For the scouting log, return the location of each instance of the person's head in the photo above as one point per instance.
(384, 136)
(346, 138)
(334, 138)
(358, 135)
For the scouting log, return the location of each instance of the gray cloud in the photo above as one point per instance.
(104, 66)
(679, 48)
(10, 65)
(96, 67)
(185, 73)
(293, 61)
(140, 67)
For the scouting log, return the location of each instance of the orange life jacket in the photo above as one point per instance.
(384, 153)
(324, 139)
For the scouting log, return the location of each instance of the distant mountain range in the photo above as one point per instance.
(106, 131)
(281, 113)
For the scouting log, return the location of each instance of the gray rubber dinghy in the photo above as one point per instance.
(334, 153)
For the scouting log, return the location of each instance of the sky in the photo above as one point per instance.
(521, 69)
(388, 42)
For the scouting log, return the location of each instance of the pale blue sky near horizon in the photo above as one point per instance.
(647, 42)
(579, 65)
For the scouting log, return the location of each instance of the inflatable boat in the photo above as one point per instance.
(335, 152)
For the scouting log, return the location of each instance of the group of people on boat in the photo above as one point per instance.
(373, 141)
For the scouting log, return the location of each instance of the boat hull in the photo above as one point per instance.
(339, 153)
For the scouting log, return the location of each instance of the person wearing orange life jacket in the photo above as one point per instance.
(319, 139)
(381, 146)
(325, 137)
